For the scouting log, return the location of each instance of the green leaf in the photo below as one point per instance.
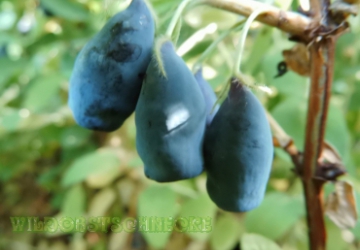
(74, 202)
(202, 207)
(67, 9)
(257, 242)
(259, 48)
(8, 68)
(336, 131)
(94, 163)
(185, 188)
(101, 180)
(197, 50)
(10, 120)
(285, 212)
(101, 202)
(291, 115)
(7, 19)
(354, 103)
(226, 232)
(41, 91)
(334, 239)
(157, 201)
(290, 84)
(74, 136)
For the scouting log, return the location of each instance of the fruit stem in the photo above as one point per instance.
(240, 50)
(215, 43)
(176, 17)
(157, 54)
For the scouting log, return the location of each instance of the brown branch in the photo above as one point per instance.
(315, 7)
(322, 65)
(290, 22)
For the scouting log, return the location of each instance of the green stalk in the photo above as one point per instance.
(176, 17)
(240, 51)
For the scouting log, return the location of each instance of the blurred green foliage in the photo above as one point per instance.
(49, 166)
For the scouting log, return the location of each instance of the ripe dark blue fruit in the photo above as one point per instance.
(209, 95)
(170, 119)
(238, 151)
(109, 70)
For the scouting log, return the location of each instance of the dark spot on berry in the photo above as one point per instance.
(142, 75)
(124, 52)
(119, 29)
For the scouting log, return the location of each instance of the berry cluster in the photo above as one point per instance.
(180, 130)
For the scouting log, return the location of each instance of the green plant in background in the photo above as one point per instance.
(51, 167)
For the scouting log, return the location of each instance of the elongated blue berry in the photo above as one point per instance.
(109, 70)
(238, 151)
(170, 119)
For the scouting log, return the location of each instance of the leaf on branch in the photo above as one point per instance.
(298, 59)
(340, 206)
(330, 164)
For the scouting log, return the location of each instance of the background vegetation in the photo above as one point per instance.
(49, 166)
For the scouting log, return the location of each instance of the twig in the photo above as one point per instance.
(322, 66)
(290, 22)
(284, 141)
(322, 63)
